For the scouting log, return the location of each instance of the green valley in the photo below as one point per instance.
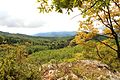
(24, 57)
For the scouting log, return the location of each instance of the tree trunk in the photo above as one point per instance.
(118, 54)
(118, 45)
(114, 33)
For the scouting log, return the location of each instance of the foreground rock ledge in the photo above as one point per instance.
(79, 70)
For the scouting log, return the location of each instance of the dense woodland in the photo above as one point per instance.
(17, 47)
(21, 56)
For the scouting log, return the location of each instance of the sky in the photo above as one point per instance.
(22, 16)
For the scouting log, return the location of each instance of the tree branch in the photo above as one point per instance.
(90, 7)
(85, 10)
(98, 52)
(106, 16)
(114, 34)
(75, 16)
(102, 21)
(116, 22)
(111, 26)
(106, 45)
(116, 4)
(105, 35)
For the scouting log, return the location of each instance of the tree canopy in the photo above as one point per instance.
(105, 13)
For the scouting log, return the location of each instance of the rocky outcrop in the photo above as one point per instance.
(79, 70)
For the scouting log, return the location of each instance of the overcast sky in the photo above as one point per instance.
(22, 16)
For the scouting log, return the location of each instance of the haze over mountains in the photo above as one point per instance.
(45, 34)
(56, 34)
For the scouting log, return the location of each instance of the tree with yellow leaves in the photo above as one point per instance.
(106, 13)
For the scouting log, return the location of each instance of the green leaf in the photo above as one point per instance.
(74, 3)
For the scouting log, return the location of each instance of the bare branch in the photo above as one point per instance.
(75, 16)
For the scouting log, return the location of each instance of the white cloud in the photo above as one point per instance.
(22, 16)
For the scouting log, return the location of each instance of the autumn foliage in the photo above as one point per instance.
(104, 13)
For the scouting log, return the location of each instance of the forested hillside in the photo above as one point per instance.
(28, 57)
(34, 41)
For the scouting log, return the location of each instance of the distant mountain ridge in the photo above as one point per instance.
(56, 34)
